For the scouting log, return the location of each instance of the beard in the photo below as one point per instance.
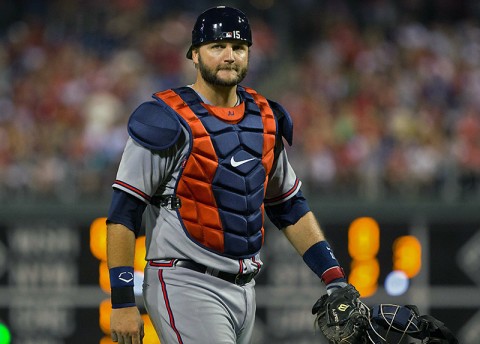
(210, 74)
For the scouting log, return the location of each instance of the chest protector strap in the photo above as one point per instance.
(224, 179)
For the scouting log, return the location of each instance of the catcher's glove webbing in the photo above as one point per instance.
(342, 317)
(392, 323)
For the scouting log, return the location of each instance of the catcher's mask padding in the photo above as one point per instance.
(405, 320)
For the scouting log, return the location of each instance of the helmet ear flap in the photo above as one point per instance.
(189, 52)
(194, 50)
(219, 23)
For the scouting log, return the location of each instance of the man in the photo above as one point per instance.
(203, 164)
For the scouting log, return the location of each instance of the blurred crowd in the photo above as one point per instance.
(384, 103)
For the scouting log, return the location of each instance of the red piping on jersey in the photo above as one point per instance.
(134, 189)
(163, 265)
(285, 195)
(168, 307)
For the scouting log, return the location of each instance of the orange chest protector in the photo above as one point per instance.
(224, 179)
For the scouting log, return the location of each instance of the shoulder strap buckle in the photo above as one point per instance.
(171, 202)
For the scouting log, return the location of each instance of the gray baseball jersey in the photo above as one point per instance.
(205, 192)
(145, 174)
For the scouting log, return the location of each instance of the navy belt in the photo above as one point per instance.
(238, 279)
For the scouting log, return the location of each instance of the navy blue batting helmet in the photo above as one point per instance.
(219, 23)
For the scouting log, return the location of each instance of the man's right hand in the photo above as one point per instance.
(126, 325)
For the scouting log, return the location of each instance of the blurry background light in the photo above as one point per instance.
(396, 283)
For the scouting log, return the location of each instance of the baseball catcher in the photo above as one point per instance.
(343, 318)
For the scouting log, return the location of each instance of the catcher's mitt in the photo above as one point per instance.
(342, 317)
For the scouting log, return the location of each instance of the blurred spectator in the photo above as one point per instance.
(384, 96)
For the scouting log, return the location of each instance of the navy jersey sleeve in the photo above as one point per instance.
(127, 210)
(289, 211)
(284, 202)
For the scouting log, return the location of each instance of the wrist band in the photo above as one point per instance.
(123, 297)
(319, 257)
(121, 283)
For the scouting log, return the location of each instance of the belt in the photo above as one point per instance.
(238, 279)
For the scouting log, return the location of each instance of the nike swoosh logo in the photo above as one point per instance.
(238, 163)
